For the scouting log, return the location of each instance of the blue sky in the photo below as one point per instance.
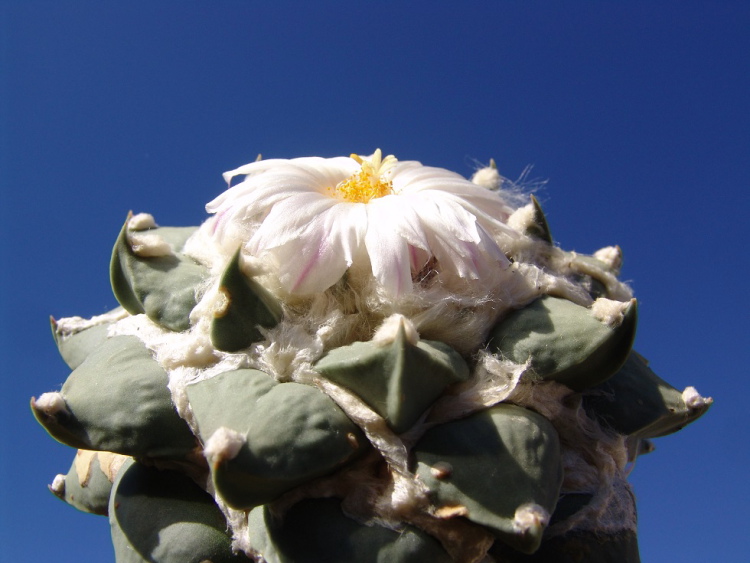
(635, 114)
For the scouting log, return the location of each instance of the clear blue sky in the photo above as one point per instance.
(636, 113)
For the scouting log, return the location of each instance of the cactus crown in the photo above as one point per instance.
(360, 378)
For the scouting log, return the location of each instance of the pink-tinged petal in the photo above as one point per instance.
(252, 168)
(320, 241)
(457, 252)
(255, 195)
(388, 251)
(346, 225)
(290, 218)
(493, 215)
(438, 213)
(269, 178)
(418, 258)
(453, 256)
(411, 173)
(480, 200)
(310, 265)
(251, 201)
(490, 248)
(331, 171)
(401, 215)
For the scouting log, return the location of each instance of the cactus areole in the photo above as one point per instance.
(360, 359)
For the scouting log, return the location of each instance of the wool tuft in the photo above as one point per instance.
(58, 485)
(148, 245)
(51, 403)
(141, 222)
(694, 400)
(223, 445)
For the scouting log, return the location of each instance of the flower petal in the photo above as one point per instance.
(292, 210)
(310, 267)
(288, 219)
(389, 252)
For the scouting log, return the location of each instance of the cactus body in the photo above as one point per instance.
(395, 366)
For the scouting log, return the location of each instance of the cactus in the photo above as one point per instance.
(360, 359)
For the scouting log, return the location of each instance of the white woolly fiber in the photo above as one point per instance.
(223, 445)
(390, 328)
(141, 221)
(572, 262)
(487, 177)
(530, 517)
(71, 325)
(609, 312)
(522, 218)
(171, 349)
(148, 245)
(611, 256)
(694, 400)
(58, 485)
(51, 403)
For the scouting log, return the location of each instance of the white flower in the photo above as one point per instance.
(318, 217)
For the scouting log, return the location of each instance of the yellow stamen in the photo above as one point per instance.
(370, 181)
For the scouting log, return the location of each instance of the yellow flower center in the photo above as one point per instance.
(370, 181)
